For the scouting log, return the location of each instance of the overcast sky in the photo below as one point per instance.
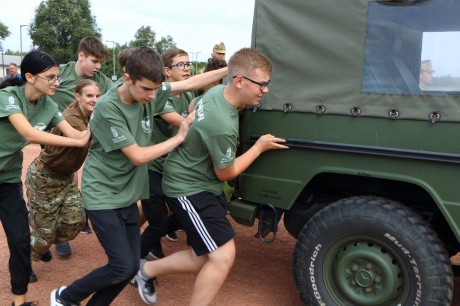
(195, 26)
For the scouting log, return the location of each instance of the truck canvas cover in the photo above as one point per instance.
(361, 57)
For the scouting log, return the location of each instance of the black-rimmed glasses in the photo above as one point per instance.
(50, 79)
(182, 65)
(262, 85)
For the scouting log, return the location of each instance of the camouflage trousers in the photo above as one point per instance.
(55, 208)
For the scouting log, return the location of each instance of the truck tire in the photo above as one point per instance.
(367, 250)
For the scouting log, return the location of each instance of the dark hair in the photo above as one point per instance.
(170, 54)
(34, 62)
(92, 45)
(214, 64)
(145, 62)
(14, 64)
(123, 56)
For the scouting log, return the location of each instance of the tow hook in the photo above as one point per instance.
(268, 223)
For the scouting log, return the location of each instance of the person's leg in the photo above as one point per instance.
(118, 233)
(72, 216)
(156, 213)
(203, 217)
(13, 216)
(43, 202)
(213, 274)
(86, 228)
(172, 226)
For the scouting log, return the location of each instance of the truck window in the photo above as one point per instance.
(413, 49)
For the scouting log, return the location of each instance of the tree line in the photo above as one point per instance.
(59, 25)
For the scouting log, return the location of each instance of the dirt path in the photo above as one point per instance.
(261, 275)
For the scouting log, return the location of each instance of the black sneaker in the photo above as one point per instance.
(172, 236)
(47, 256)
(32, 277)
(86, 229)
(56, 300)
(63, 249)
(155, 253)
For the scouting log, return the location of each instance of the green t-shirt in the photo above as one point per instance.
(163, 130)
(211, 142)
(65, 92)
(110, 180)
(43, 115)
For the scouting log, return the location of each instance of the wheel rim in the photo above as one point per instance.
(365, 271)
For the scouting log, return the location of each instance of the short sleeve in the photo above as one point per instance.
(8, 105)
(222, 149)
(57, 118)
(161, 99)
(111, 133)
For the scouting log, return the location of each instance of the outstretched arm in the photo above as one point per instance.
(31, 135)
(141, 155)
(264, 143)
(173, 118)
(198, 81)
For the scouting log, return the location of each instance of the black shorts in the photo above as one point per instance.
(203, 216)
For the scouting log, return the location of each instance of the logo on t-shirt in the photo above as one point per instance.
(11, 104)
(116, 137)
(145, 125)
(40, 126)
(168, 105)
(228, 156)
(114, 132)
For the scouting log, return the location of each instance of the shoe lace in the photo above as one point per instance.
(150, 285)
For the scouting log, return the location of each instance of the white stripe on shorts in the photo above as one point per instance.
(199, 226)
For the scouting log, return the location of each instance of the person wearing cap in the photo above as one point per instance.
(218, 51)
(426, 74)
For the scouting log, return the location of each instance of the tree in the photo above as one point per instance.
(4, 33)
(145, 37)
(165, 44)
(59, 25)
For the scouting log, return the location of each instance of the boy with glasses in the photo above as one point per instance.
(177, 67)
(193, 177)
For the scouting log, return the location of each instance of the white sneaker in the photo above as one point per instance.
(146, 287)
(55, 298)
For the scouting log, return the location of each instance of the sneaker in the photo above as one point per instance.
(146, 287)
(63, 249)
(47, 256)
(32, 277)
(86, 229)
(172, 236)
(155, 253)
(26, 304)
(56, 300)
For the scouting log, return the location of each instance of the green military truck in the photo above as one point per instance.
(367, 95)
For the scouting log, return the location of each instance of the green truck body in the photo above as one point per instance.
(374, 157)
